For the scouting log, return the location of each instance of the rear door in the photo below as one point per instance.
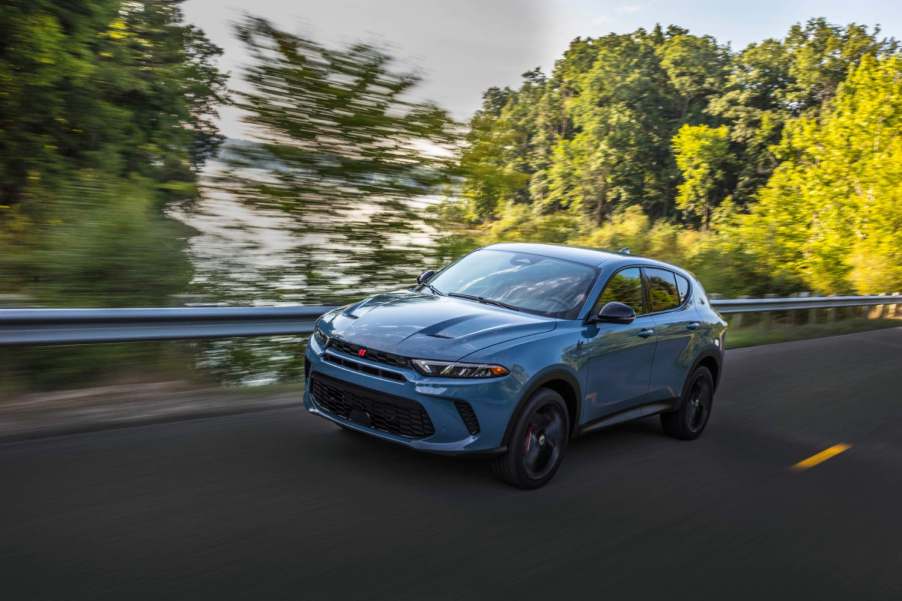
(617, 358)
(676, 325)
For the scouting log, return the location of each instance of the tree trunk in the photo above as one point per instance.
(601, 203)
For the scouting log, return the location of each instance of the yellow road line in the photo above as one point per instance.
(821, 457)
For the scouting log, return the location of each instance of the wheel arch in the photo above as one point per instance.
(711, 360)
(563, 382)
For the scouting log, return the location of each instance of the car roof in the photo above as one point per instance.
(586, 256)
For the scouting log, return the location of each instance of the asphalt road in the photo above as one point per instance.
(281, 505)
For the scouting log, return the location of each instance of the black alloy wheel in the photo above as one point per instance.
(537, 443)
(689, 421)
(699, 405)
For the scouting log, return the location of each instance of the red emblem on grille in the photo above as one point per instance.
(361, 352)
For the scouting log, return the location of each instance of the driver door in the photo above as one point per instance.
(617, 358)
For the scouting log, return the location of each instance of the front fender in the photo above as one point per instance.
(554, 375)
(537, 361)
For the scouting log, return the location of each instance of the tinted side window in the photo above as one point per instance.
(662, 290)
(682, 287)
(625, 287)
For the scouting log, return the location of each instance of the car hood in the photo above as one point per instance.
(428, 326)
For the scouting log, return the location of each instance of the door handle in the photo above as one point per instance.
(693, 326)
(646, 332)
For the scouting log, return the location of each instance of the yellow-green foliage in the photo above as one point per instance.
(717, 255)
(632, 228)
(829, 219)
(774, 169)
(702, 153)
(714, 255)
(831, 214)
(519, 223)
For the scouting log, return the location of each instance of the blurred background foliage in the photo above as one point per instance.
(107, 116)
(772, 169)
(339, 148)
(769, 170)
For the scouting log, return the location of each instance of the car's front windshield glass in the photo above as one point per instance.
(524, 281)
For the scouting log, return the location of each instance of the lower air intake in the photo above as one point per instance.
(468, 415)
(379, 411)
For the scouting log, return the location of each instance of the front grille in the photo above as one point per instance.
(388, 413)
(468, 415)
(363, 367)
(373, 355)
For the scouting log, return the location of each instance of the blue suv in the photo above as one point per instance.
(515, 348)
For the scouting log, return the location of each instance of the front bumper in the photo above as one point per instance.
(493, 400)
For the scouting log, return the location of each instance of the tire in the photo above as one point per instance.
(689, 421)
(537, 443)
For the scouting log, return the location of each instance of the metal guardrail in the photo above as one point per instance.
(20, 327)
(760, 305)
(82, 326)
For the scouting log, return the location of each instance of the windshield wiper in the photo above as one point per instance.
(484, 300)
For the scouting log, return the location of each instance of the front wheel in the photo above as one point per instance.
(689, 421)
(537, 443)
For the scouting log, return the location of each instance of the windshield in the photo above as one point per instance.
(523, 281)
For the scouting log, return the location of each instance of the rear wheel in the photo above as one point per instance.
(537, 443)
(689, 421)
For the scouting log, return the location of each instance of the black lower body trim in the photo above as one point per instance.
(627, 415)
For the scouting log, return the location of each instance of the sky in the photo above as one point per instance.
(462, 47)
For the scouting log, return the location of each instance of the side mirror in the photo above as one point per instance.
(615, 312)
(425, 277)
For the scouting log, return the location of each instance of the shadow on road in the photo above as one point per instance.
(358, 456)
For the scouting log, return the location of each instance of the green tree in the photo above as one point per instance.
(623, 112)
(831, 214)
(704, 159)
(491, 178)
(632, 133)
(122, 87)
(697, 67)
(340, 147)
(776, 80)
(51, 117)
(107, 111)
(165, 76)
(583, 139)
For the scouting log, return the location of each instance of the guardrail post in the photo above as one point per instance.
(830, 313)
(738, 318)
(811, 313)
(791, 317)
(767, 316)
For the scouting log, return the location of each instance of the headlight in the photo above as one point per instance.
(451, 369)
(321, 338)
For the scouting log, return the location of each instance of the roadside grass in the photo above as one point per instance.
(785, 331)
